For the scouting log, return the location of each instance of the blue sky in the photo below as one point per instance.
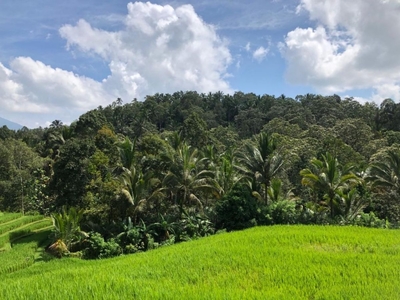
(60, 59)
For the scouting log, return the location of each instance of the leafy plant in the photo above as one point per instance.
(237, 209)
(283, 212)
(96, 247)
(66, 226)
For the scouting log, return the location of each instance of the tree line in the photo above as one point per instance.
(183, 165)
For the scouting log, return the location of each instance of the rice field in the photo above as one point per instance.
(20, 239)
(280, 262)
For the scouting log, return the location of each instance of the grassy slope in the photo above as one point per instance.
(279, 262)
(20, 238)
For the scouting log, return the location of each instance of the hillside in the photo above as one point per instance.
(9, 124)
(280, 262)
(20, 238)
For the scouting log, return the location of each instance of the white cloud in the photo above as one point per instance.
(260, 53)
(31, 86)
(160, 49)
(353, 46)
(247, 47)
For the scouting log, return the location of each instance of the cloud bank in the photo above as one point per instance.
(158, 49)
(354, 45)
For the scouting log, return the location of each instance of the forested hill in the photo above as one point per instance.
(185, 154)
(9, 124)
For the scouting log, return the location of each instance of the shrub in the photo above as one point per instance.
(237, 209)
(283, 212)
(369, 220)
(96, 247)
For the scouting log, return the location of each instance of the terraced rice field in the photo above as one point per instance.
(279, 262)
(20, 238)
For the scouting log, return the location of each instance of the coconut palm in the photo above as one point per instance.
(386, 173)
(135, 183)
(353, 203)
(326, 176)
(226, 173)
(56, 124)
(186, 178)
(127, 150)
(260, 163)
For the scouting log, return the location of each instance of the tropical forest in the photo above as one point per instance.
(204, 196)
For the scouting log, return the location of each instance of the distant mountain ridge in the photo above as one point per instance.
(9, 124)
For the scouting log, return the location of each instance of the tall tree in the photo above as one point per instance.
(327, 177)
(386, 173)
(187, 178)
(260, 163)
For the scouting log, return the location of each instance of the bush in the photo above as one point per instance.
(369, 220)
(283, 212)
(96, 247)
(237, 209)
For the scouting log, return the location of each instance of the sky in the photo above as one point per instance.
(59, 59)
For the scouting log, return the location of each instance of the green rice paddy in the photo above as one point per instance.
(280, 262)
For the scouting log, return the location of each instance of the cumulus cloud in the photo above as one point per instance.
(159, 49)
(354, 45)
(260, 53)
(31, 86)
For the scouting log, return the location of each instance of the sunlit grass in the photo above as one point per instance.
(281, 262)
(5, 217)
(23, 253)
(18, 222)
(23, 229)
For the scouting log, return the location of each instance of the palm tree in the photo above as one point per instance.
(56, 124)
(127, 150)
(275, 191)
(386, 174)
(135, 184)
(261, 163)
(186, 178)
(226, 173)
(353, 203)
(327, 177)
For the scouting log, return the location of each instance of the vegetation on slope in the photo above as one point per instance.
(180, 166)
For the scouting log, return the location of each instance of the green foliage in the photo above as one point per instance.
(192, 226)
(260, 164)
(97, 248)
(134, 238)
(181, 152)
(194, 131)
(283, 212)
(237, 209)
(369, 220)
(67, 227)
(71, 173)
(17, 161)
(38, 193)
(329, 179)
